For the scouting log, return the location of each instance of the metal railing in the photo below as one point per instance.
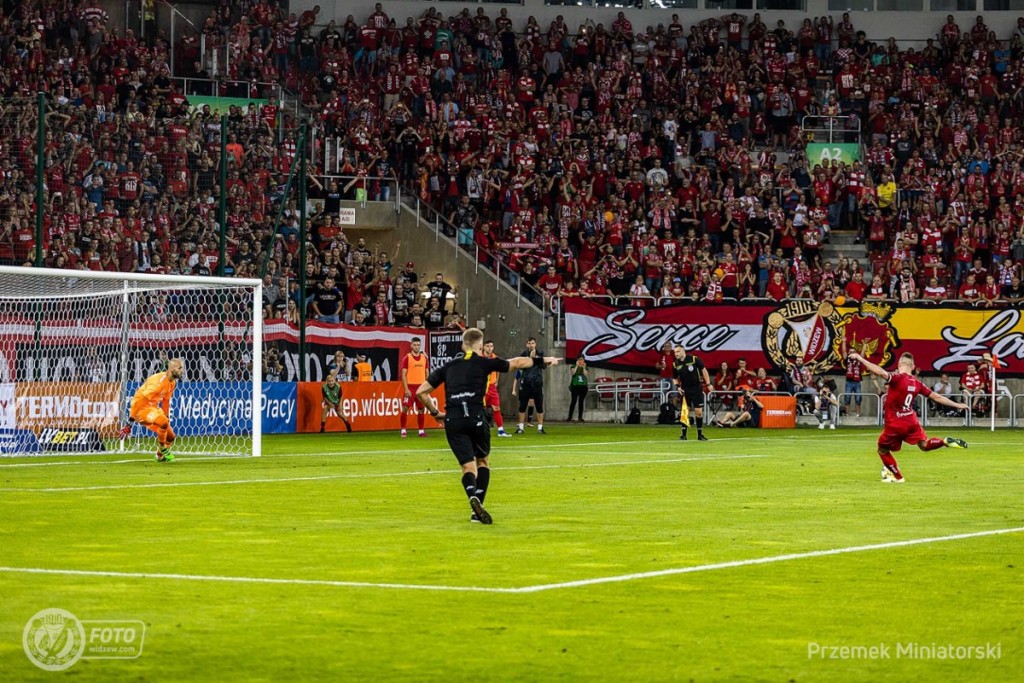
(1017, 400)
(625, 391)
(393, 186)
(832, 127)
(212, 87)
(842, 398)
(493, 263)
(621, 394)
(988, 413)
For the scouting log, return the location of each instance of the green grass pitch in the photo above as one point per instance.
(381, 570)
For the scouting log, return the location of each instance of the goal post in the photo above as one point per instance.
(76, 344)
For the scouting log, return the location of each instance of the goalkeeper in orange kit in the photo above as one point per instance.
(152, 402)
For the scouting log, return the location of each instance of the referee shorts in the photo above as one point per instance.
(694, 398)
(527, 393)
(468, 437)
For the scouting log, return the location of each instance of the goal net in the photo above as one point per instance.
(75, 345)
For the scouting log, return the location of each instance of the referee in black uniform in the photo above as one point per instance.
(689, 372)
(465, 422)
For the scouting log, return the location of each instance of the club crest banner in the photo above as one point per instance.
(943, 338)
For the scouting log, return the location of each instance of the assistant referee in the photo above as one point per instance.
(465, 422)
(690, 374)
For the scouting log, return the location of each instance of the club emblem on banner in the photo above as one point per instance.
(869, 332)
(820, 336)
(804, 330)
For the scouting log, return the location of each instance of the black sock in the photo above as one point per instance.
(469, 483)
(700, 425)
(322, 425)
(684, 428)
(348, 426)
(483, 478)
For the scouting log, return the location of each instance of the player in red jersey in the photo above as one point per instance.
(492, 402)
(901, 423)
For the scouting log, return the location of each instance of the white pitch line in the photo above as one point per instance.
(524, 589)
(374, 475)
(255, 579)
(765, 560)
(406, 451)
(73, 462)
(514, 448)
(397, 451)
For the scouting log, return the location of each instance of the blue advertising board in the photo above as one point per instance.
(279, 407)
(18, 441)
(225, 408)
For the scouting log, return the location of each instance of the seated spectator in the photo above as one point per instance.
(934, 291)
(969, 290)
(1014, 292)
(972, 386)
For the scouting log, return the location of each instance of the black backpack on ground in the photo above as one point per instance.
(667, 414)
(634, 416)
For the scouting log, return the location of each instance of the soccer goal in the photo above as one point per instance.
(76, 344)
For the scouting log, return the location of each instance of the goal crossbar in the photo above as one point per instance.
(52, 320)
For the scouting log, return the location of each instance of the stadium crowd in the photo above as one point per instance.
(589, 160)
(670, 162)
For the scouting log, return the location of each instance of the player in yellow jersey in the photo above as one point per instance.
(413, 371)
(492, 402)
(151, 404)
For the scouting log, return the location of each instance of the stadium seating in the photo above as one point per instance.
(572, 161)
(605, 389)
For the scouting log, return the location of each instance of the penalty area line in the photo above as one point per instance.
(522, 590)
(253, 579)
(766, 560)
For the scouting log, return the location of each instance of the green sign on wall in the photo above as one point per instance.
(846, 152)
(221, 105)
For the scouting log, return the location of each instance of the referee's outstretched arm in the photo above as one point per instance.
(517, 363)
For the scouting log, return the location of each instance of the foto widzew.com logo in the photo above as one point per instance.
(55, 639)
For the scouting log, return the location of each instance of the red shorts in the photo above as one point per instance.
(412, 403)
(492, 400)
(893, 437)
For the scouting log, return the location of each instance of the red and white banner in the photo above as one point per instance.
(383, 347)
(632, 338)
(942, 338)
(161, 335)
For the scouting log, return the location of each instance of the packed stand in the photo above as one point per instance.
(590, 160)
(132, 175)
(606, 161)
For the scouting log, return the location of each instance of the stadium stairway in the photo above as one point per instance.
(844, 243)
(486, 300)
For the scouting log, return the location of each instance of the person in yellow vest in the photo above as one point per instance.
(413, 371)
(361, 369)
